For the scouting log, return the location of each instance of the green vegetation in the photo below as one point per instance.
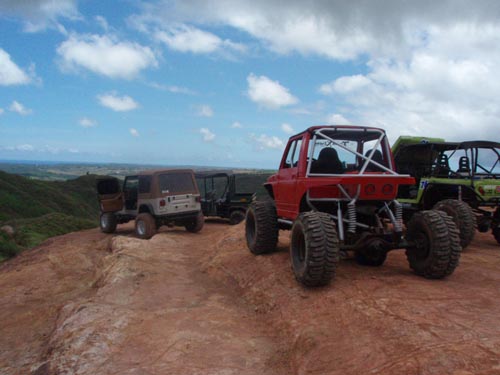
(38, 209)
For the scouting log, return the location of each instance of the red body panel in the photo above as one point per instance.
(290, 184)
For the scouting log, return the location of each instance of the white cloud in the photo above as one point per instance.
(345, 84)
(269, 94)
(337, 119)
(185, 38)
(101, 21)
(105, 55)
(172, 88)
(236, 125)
(117, 103)
(25, 147)
(87, 122)
(264, 141)
(40, 14)
(205, 110)
(428, 68)
(446, 87)
(208, 136)
(19, 108)
(1, 111)
(43, 149)
(10, 73)
(134, 132)
(335, 29)
(288, 129)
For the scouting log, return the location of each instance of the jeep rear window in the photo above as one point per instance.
(144, 184)
(174, 183)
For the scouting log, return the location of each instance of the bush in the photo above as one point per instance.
(8, 248)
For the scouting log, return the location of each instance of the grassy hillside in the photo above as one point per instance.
(40, 209)
(21, 197)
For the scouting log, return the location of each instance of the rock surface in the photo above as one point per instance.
(8, 229)
(182, 303)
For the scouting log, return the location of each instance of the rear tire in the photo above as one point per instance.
(314, 249)
(196, 224)
(261, 227)
(236, 217)
(436, 250)
(462, 215)
(145, 226)
(108, 222)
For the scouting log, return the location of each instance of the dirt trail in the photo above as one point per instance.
(148, 310)
(89, 303)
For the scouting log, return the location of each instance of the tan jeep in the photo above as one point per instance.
(153, 198)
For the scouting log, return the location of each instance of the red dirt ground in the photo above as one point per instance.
(90, 303)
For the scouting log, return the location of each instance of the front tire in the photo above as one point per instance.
(108, 222)
(261, 227)
(435, 249)
(314, 249)
(145, 226)
(196, 224)
(462, 215)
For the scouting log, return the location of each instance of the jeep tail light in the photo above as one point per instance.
(481, 190)
(163, 203)
(388, 189)
(198, 199)
(370, 189)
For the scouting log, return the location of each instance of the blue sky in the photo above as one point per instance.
(224, 83)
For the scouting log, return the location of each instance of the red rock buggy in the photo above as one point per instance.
(336, 191)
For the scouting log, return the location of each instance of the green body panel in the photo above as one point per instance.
(491, 188)
(408, 140)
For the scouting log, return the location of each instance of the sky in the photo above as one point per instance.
(226, 82)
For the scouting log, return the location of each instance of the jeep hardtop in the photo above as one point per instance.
(336, 190)
(153, 198)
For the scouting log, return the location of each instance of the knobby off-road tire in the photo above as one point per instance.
(462, 215)
(435, 250)
(372, 258)
(314, 249)
(261, 227)
(196, 224)
(456, 247)
(236, 217)
(145, 226)
(108, 222)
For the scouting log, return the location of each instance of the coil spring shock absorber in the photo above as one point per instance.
(398, 215)
(351, 214)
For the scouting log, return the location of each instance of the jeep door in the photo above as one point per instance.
(285, 188)
(110, 194)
